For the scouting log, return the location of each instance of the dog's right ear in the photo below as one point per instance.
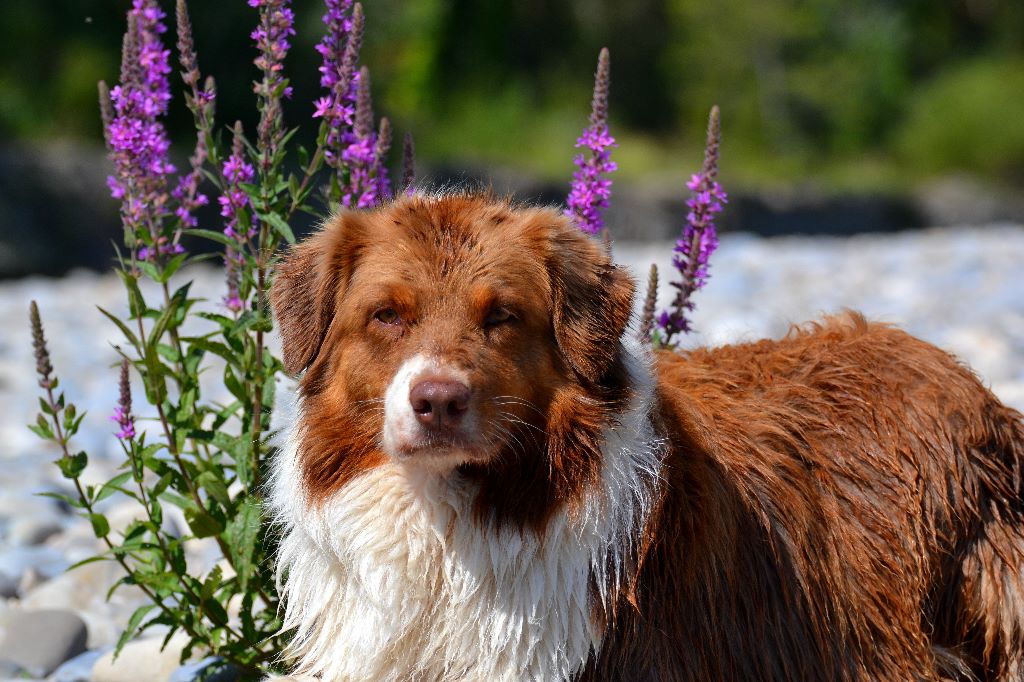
(307, 283)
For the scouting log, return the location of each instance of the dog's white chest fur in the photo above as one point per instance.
(392, 578)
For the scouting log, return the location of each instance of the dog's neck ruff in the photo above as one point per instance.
(393, 578)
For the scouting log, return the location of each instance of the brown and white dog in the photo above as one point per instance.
(488, 481)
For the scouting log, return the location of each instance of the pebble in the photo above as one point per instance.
(78, 669)
(84, 591)
(15, 561)
(9, 586)
(193, 671)
(32, 530)
(141, 661)
(10, 670)
(39, 641)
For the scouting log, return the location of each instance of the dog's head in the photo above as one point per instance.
(454, 332)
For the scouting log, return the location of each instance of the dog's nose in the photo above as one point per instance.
(439, 403)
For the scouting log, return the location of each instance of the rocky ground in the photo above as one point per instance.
(961, 288)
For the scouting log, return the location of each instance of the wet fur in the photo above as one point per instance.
(842, 504)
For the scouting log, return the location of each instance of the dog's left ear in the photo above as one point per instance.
(592, 300)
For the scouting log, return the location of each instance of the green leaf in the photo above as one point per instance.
(218, 237)
(112, 486)
(90, 560)
(155, 381)
(211, 583)
(132, 628)
(280, 226)
(42, 428)
(173, 265)
(202, 524)
(128, 334)
(232, 383)
(215, 347)
(167, 352)
(168, 314)
(214, 486)
(72, 466)
(242, 533)
(67, 499)
(180, 501)
(100, 525)
(136, 303)
(149, 270)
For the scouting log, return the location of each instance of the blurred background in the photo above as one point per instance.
(838, 116)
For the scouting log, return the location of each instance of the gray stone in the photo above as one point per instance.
(33, 530)
(39, 641)
(141, 661)
(8, 586)
(14, 561)
(10, 669)
(190, 672)
(78, 669)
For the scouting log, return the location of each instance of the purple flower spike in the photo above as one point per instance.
(134, 132)
(591, 189)
(201, 102)
(340, 50)
(123, 412)
(339, 21)
(271, 37)
(368, 182)
(692, 252)
(234, 208)
(234, 202)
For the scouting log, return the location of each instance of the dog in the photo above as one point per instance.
(489, 479)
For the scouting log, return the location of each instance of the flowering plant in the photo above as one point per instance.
(209, 459)
(185, 450)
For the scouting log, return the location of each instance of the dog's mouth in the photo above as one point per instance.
(445, 444)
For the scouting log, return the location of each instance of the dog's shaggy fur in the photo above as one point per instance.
(843, 504)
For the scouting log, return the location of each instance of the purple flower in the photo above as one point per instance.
(364, 156)
(271, 36)
(201, 103)
(339, 22)
(234, 208)
(134, 133)
(234, 201)
(591, 190)
(340, 50)
(123, 412)
(692, 252)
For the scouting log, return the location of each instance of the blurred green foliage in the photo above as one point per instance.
(856, 91)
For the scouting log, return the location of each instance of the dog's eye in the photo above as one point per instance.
(498, 316)
(387, 316)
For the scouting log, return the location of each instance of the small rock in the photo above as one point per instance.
(30, 579)
(84, 590)
(8, 586)
(212, 668)
(39, 641)
(14, 561)
(141, 661)
(78, 669)
(10, 670)
(33, 530)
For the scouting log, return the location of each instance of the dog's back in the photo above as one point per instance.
(844, 504)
